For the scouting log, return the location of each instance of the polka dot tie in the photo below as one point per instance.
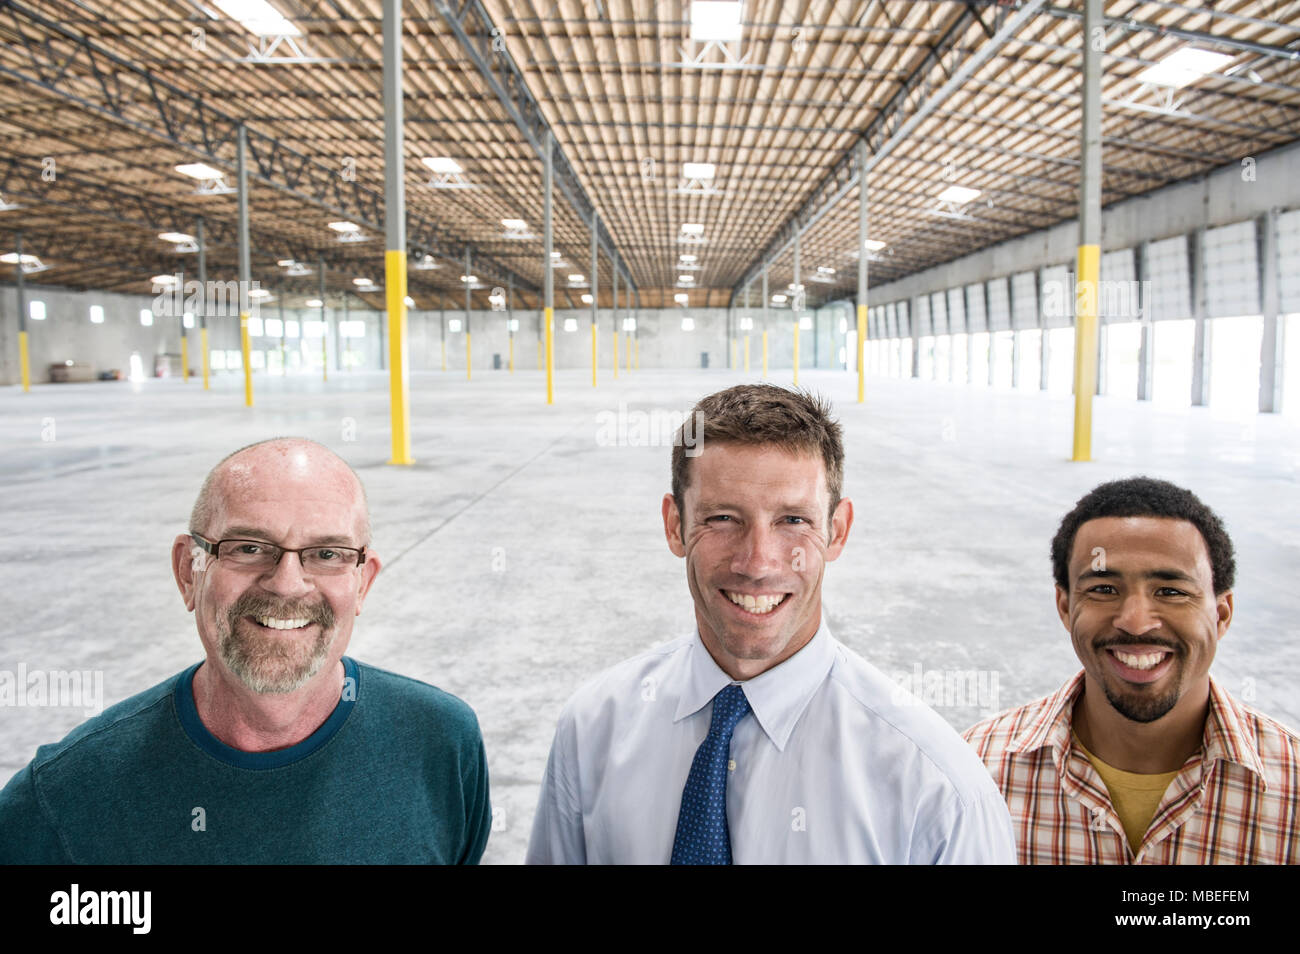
(702, 836)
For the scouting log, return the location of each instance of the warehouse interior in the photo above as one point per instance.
(454, 240)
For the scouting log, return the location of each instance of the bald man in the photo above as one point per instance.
(276, 747)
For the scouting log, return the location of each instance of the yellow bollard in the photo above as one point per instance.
(24, 367)
(399, 396)
(550, 356)
(203, 346)
(245, 348)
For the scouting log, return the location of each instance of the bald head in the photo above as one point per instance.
(273, 465)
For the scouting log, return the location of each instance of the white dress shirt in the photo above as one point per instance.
(835, 764)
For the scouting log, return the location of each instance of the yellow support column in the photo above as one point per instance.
(203, 346)
(245, 349)
(593, 354)
(1085, 348)
(796, 352)
(862, 350)
(550, 355)
(765, 354)
(468, 354)
(747, 354)
(185, 357)
(24, 367)
(616, 356)
(399, 397)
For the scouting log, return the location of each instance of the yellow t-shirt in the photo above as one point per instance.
(1135, 797)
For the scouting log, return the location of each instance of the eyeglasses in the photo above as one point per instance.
(258, 555)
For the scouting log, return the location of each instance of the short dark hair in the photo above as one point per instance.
(1146, 497)
(794, 420)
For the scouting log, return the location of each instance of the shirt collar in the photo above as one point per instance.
(777, 697)
(1225, 733)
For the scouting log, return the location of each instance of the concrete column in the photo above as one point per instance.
(1015, 332)
(1044, 342)
(245, 267)
(548, 273)
(1088, 260)
(913, 314)
(1272, 345)
(1146, 350)
(861, 311)
(988, 324)
(1201, 341)
(395, 239)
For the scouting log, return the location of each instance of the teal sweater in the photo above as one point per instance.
(396, 774)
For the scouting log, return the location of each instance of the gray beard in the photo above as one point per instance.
(265, 662)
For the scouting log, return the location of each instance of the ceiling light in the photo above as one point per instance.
(681, 298)
(168, 280)
(577, 279)
(825, 270)
(345, 227)
(872, 245)
(177, 237)
(426, 263)
(1184, 66)
(515, 225)
(283, 263)
(959, 195)
(258, 17)
(685, 279)
(315, 303)
(716, 20)
(683, 257)
(199, 170)
(699, 170)
(362, 281)
(778, 299)
(444, 165)
(692, 228)
(587, 299)
(469, 279)
(410, 302)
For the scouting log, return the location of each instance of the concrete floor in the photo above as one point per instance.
(521, 556)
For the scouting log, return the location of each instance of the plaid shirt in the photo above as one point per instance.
(1234, 802)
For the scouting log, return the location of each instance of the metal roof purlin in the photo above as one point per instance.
(187, 123)
(485, 47)
(890, 127)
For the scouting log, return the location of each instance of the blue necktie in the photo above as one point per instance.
(702, 836)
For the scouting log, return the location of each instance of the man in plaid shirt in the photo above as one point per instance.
(1142, 758)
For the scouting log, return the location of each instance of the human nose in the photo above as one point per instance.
(1137, 615)
(288, 576)
(759, 554)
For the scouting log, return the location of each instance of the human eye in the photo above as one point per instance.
(717, 516)
(795, 520)
(1103, 589)
(327, 555)
(249, 548)
(1169, 591)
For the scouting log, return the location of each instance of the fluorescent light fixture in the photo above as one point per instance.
(587, 299)
(259, 293)
(146, 317)
(469, 279)
(681, 298)
(958, 195)
(683, 257)
(577, 278)
(258, 17)
(199, 170)
(515, 225)
(7, 206)
(1183, 67)
(345, 227)
(873, 245)
(167, 280)
(779, 299)
(283, 263)
(96, 314)
(362, 281)
(692, 228)
(444, 165)
(688, 324)
(685, 279)
(825, 270)
(410, 302)
(570, 324)
(315, 303)
(699, 170)
(716, 21)
(11, 258)
(176, 237)
(793, 287)
(425, 264)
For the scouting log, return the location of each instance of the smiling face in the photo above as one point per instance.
(276, 629)
(756, 538)
(1142, 614)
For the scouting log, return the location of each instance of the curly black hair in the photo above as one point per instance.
(1146, 497)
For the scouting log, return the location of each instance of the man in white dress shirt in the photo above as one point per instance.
(759, 738)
